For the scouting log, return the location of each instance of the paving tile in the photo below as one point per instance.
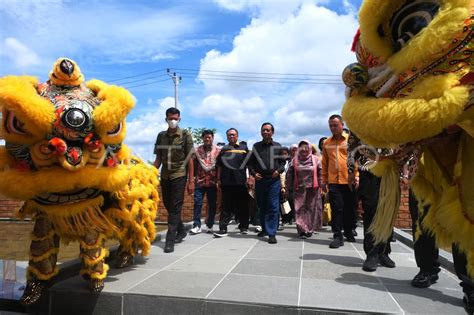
(274, 253)
(120, 280)
(204, 264)
(404, 275)
(283, 242)
(279, 268)
(179, 284)
(404, 260)
(430, 300)
(220, 251)
(336, 256)
(343, 296)
(325, 271)
(252, 289)
(135, 304)
(155, 261)
(219, 307)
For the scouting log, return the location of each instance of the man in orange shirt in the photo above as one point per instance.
(335, 181)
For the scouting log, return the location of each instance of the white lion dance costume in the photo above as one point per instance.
(414, 95)
(64, 156)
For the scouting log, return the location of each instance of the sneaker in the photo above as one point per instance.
(354, 232)
(302, 236)
(336, 243)
(371, 263)
(309, 234)
(195, 230)
(180, 237)
(272, 239)
(210, 230)
(262, 234)
(387, 261)
(244, 231)
(220, 233)
(350, 239)
(424, 279)
(280, 228)
(258, 228)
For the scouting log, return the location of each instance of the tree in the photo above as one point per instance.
(196, 133)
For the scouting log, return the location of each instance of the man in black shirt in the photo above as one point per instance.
(232, 177)
(265, 166)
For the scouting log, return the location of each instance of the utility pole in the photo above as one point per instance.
(176, 80)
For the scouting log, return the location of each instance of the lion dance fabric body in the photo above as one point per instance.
(64, 156)
(418, 100)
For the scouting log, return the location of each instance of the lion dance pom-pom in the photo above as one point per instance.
(64, 156)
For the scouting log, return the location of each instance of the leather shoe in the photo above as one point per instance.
(371, 263)
(336, 243)
(180, 237)
(272, 239)
(468, 302)
(169, 247)
(387, 261)
(350, 239)
(424, 279)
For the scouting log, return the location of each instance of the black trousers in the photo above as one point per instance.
(369, 186)
(342, 201)
(426, 252)
(173, 197)
(234, 200)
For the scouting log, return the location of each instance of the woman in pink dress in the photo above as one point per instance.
(304, 175)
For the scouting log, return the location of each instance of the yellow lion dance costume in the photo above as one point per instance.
(417, 97)
(64, 156)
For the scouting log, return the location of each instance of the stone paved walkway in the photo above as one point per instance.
(242, 274)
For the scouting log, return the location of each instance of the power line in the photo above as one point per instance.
(139, 80)
(137, 75)
(143, 84)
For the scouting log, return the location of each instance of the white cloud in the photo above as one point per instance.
(104, 32)
(311, 39)
(18, 53)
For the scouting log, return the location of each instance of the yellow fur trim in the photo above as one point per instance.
(57, 77)
(79, 218)
(33, 273)
(398, 121)
(116, 104)
(59, 180)
(92, 261)
(95, 275)
(47, 254)
(466, 121)
(388, 205)
(18, 95)
(381, 167)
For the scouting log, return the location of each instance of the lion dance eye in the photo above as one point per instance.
(410, 20)
(13, 125)
(115, 131)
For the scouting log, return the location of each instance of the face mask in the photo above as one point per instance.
(172, 123)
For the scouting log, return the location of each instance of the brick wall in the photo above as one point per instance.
(8, 207)
(403, 220)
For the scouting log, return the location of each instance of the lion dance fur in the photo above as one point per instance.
(64, 156)
(419, 98)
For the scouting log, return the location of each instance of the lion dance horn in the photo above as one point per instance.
(66, 72)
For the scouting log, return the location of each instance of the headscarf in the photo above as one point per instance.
(306, 161)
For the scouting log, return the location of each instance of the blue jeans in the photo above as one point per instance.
(268, 201)
(199, 193)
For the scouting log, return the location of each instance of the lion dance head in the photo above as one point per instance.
(64, 156)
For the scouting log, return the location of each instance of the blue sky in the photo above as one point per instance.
(227, 51)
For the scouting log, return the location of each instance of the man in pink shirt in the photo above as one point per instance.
(205, 181)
